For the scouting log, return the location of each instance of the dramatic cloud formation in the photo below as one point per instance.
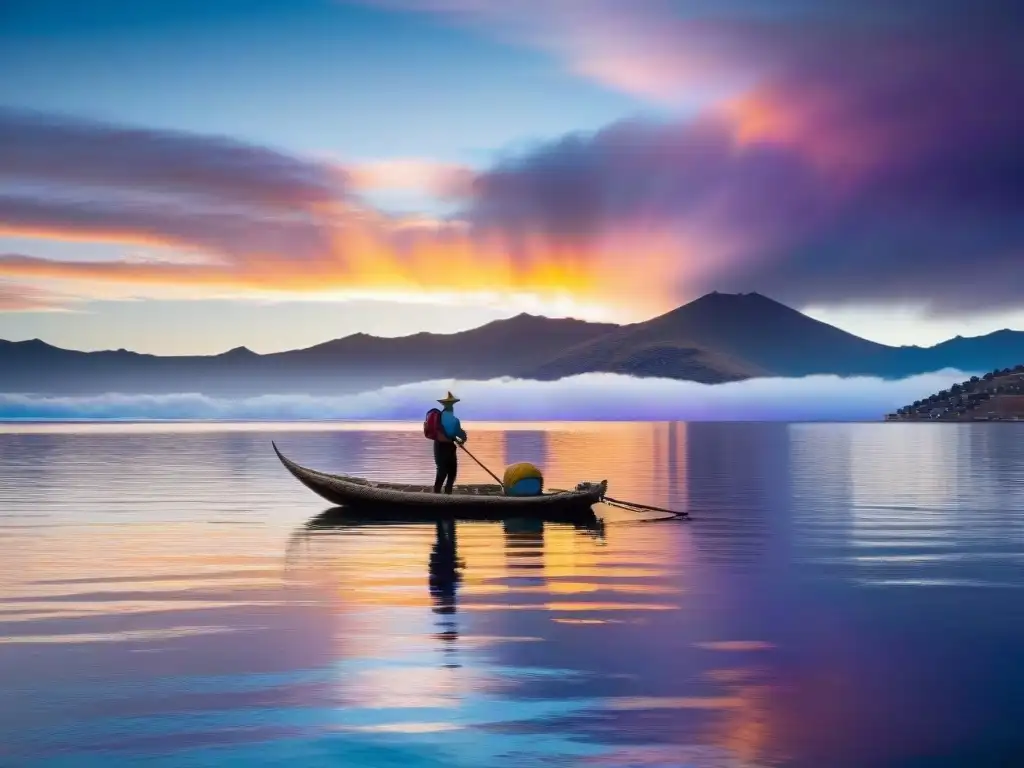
(591, 397)
(254, 219)
(861, 152)
(845, 151)
(841, 152)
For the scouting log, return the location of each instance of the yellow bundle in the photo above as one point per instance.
(523, 479)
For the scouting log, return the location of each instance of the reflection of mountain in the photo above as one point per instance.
(739, 486)
(719, 337)
(882, 499)
(526, 445)
(674, 457)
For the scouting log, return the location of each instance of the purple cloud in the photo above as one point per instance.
(40, 147)
(82, 180)
(878, 158)
(217, 233)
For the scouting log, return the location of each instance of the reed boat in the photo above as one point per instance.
(479, 502)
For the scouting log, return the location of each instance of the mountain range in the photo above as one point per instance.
(717, 338)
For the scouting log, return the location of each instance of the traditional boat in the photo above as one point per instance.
(480, 502)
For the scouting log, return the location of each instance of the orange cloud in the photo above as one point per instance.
(18, 297)
(415, 174)
(87, 234)
(364, 257)
(222, 228)
(811, 124)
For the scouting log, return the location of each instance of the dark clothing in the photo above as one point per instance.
(447, 461)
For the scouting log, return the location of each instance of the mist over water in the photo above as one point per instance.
(590, 397)
(170, 596)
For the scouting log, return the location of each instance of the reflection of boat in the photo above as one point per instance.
(523, 527)
(444, 566)
(469, 502)
(524, 550)
(345, 517)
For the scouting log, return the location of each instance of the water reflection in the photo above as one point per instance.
(524, 551)
(889, 509)
(739, 489)
(835, 581)
(678, 465)
(444, 580)
(526, 445)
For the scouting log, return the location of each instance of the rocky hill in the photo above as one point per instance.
(996, 396)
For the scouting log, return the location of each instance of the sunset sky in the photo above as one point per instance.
(196, 175)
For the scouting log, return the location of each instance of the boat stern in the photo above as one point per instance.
(593, 490)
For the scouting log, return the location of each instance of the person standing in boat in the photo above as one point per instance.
(446, 432)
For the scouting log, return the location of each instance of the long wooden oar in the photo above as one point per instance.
(632, 506)
(636, 505)
(482, 466)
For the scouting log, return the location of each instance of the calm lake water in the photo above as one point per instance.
(845, 595)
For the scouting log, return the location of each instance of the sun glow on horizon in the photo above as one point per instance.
(361, 261)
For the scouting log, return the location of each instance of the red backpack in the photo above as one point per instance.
(432, 425)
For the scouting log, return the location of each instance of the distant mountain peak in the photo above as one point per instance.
(527, 321)
(526, 317)
(1002, 336)
(734, 299)
(546, 319)
(726, 294)
(32, 344)
(716, 307)
(238, 352)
